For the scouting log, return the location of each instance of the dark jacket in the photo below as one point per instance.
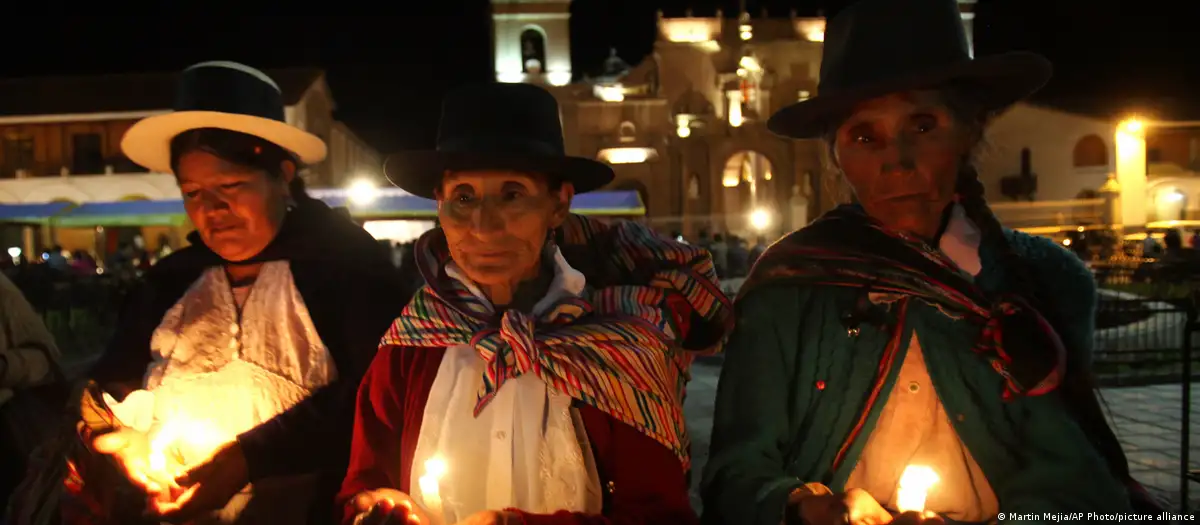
(352, 292)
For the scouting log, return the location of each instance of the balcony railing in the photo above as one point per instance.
(49, 169)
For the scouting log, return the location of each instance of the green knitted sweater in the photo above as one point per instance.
(775, 429)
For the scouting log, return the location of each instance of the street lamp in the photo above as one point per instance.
(363, 192)
(1133, 125)
(760, 219)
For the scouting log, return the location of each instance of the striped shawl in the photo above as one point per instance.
(616, 348)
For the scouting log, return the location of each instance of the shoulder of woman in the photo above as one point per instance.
(783, 302)
(1052, 265)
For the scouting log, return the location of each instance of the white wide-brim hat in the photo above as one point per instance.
(222, 95)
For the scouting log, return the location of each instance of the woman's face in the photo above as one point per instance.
(496, 222)
(237, 210)
(901, 153)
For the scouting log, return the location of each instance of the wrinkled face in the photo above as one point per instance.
(237, 210)
(496, 222)
(901, 154)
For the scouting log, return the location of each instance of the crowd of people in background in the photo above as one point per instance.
(732, 255)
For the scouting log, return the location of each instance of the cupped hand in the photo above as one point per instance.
(207, 487)
(388, 507)
(853, 507)
(131, 449)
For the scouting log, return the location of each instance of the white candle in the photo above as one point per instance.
(431, 496)
(914, 487)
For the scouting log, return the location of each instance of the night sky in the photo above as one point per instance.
(388, 73)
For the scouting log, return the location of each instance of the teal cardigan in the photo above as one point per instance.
(775, 429)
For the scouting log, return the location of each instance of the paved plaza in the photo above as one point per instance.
(1146, 419)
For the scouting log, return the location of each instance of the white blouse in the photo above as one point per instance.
(219, 370)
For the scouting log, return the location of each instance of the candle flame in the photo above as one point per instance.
(914, 487)
(435, 467)
(174, 447)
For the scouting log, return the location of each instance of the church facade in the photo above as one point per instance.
(686, 126)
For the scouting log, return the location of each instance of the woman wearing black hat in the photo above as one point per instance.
(538, 377)
(909, 333)
(239, 356)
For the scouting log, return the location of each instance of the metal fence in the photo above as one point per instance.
(81, 313)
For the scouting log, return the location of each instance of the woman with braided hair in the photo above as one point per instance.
(910, 329)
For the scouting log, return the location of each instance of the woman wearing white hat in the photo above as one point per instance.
(255, 337)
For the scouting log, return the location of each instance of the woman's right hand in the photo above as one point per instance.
(853, 507)
(388, 507)
(856, 507)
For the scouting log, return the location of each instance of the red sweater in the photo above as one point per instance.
(642, 480)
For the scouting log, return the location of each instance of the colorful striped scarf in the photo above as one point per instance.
(846, 248)
(617, 348)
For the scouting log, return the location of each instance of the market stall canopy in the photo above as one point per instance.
(384, 203)
(124, 213)
(35, 213)
(394, 203)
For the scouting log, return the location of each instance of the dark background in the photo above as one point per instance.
(389, 71)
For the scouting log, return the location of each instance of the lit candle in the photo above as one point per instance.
(914, 486)
(429, 483)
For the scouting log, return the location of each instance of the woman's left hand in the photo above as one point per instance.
(492, 517)
(207, 487)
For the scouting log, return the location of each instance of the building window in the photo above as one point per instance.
(18, 154)
(1091, 151)
(533, 51)
(87, 154)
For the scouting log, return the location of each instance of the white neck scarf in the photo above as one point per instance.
(526, 450)
(961, 241)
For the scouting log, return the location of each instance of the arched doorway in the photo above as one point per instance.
(748, 194)
(533, 50)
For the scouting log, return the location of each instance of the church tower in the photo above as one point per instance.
(966, 8)
(531, 41)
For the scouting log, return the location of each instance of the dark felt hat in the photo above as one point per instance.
(496, 126)
(876, 47)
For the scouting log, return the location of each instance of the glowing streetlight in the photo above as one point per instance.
(760, 219)
(1133, 125)
(683, 126)
(363, 192)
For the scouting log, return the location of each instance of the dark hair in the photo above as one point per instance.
(242, 149)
